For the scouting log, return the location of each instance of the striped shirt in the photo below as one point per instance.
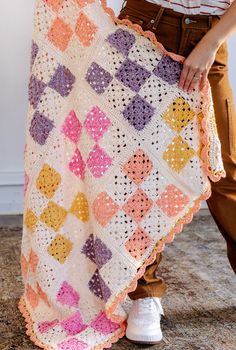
(196, 7)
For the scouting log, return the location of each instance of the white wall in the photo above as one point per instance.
(15, 41)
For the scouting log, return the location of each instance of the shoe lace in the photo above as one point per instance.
(145, 305)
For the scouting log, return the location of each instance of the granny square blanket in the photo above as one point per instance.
(117, 159)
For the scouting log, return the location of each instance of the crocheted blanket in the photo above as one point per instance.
(117, 158)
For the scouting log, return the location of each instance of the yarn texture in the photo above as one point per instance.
(117, 159)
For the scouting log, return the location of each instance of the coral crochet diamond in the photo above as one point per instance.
(104, 208)
(98, 161)
(138, 205)
(138, 243)
(85, 29)
(97, 123)
(60, 34)
(138, 167)
(172, 201)
(54, 4)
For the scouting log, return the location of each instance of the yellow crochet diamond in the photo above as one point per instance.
(178, 154)
(30, 219)
(60, 248)
(53, 216)
(79, 207)
(48, 181)
(178, 114)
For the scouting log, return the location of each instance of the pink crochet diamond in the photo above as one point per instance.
(98, 161)
(68, 295)
(96, 123)
(47, 325)
(103, 325)
(77, 165)
(74, 324)
(72, 127)
(72, 344)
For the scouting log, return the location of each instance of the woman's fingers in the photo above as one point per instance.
(188, 78)
(203, 80)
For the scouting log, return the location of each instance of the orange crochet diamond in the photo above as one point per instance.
(178, 114)
(83, 3)
(32, 296)
(172, 200)
(138, 205)
(53, 216)
(33, 260)
(24, 265)
(178, 154)
(60, 34)
(138, 243)
(138, 167)
(54, 4)
(60, 248)
(85, 29)
(48, 181)
(30, 219)
(104, 208)
(80, 207)
(43, 295)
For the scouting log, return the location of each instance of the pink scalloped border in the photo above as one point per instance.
(160, 245)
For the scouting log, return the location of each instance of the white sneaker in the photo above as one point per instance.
(143, 323)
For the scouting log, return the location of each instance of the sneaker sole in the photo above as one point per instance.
(148, 342)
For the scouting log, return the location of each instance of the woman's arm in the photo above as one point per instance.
(200, 60)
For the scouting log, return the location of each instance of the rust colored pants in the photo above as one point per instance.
(179, 35)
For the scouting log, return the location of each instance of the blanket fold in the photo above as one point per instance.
(117, 159)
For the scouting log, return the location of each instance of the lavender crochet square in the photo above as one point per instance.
(122, 40)
(133, 75)
(62, 81)
(98, 78)
(34, 52)
(35, 90)
(98, 286)
(40, 127)
(96, 251)
(168, 69)
(138, 112)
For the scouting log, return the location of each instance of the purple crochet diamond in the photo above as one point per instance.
(35, 88)
(96, 251)
(98, 78)
(98, 286)
(122, 40)
(138, 112)
(62, 81)
(40, 128)
(34, 52)
(168, 69)
(133, 75)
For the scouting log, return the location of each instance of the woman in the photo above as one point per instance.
(199, 33)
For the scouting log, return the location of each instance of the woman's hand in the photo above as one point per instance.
(196, 66)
